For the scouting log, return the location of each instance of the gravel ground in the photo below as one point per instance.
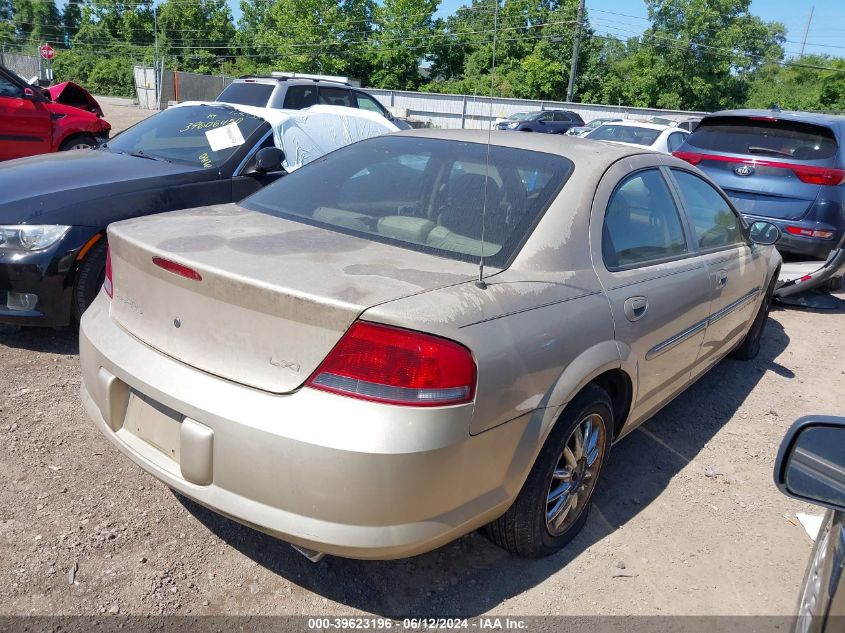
(121, 113)
(686, 521)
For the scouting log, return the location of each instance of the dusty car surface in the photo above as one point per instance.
(328, 362)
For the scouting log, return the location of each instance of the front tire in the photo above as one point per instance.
(554, 502)
(80, 141)
(89, 278)
(750, 346)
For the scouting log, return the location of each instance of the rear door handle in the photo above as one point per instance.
(721, 278)
(635, 308)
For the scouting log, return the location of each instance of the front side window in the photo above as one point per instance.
(9, 89)
(642, 224)
(423, 194)
(714, 222)
(201, 136)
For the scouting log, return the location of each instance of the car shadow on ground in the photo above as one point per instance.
(64, 341)
(471, 575)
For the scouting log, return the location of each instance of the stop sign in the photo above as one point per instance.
(47, 51)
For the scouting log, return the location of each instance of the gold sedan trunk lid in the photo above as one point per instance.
(274, 295)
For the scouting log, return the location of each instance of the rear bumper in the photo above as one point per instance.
(834, 266)
(329, 473)
(812, 248)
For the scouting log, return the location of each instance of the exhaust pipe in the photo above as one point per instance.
(313, 555)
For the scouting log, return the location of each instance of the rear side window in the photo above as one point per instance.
(423, 194)
(763, 137)
(675, 140)
(625, 134)
(251, 94)
(715, 224)
(642, 223)
(299, 97)
(336, 96)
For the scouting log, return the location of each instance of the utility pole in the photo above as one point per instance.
(806, 31)
(576, 45)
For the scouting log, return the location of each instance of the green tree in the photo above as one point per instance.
(802, 85)
(400, 41)
(314, 36)
(697, 55)
(36, 21)
(196, 35)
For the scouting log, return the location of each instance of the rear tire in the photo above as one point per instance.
(539, 523)
(750, 346)
(89, 278)
(80, 141)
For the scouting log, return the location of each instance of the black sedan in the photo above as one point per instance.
(811, 467)
(54, 209)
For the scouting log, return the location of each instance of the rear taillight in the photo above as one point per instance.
(691, 157)
(811, 174)
(396, 366)
(797, 230)
(108, 285)
(177, 269)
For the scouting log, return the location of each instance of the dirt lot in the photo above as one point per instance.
(121, 113)
(687, 506)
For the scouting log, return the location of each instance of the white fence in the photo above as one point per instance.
(437, 110)
(462, 111)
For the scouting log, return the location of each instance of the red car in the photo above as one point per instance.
(36, 121)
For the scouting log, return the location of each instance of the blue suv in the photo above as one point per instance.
(787, 168)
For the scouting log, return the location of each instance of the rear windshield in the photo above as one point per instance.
(761, 137)
(625, 134)
(423, 194)
(251, 94)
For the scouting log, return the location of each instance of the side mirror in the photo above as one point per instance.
(28, 93)
(810, 465)
(268, 159)
(764, 233)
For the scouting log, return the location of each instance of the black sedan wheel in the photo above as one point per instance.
(553, 504)
(89, 278)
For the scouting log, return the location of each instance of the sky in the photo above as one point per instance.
(627, 18)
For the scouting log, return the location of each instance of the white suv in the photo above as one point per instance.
(296, 93)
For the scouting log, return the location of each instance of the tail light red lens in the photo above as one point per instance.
(797, 230)
(396, 366)
(177, 269)
(811, 174)
(108, 285)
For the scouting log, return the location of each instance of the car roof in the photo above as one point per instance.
(289, 81)
(785, 115)
(578, 150)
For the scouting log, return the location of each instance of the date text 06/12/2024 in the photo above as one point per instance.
(415, 624)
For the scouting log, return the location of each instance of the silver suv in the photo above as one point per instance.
(296, 93)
